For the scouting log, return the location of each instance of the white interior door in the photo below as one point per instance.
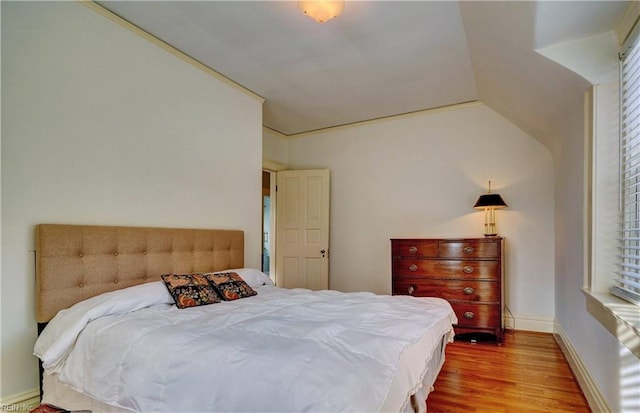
(302, 229)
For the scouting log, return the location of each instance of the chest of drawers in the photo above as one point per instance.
(467, 272)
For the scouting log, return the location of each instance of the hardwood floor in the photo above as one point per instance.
(528, 373)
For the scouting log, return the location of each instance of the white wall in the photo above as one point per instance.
(102, 127)
(419, 176)
(275, 147)
(612, 367)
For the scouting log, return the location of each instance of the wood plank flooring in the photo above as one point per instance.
(528, 373)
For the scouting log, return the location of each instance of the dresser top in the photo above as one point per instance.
(484, 239)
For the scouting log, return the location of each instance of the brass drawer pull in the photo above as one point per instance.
(413, 250)
(468, 290)
(468, 315)
(411, 289)
(467, 269)
(468, 250)
(413, 267)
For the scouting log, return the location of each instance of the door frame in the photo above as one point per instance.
(272, 167)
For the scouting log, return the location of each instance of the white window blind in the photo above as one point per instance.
(628, 275)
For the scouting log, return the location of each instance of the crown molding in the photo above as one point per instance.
(628, 22)
(274, 132)
(422, 112)
(168, 48)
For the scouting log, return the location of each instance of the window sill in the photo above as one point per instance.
(621, 318)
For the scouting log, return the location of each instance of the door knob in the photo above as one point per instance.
(323, 252)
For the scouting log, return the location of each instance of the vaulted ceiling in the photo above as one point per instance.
(383, 58)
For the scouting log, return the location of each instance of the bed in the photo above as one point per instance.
(113, 339)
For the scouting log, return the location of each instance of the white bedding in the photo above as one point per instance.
(279, 351)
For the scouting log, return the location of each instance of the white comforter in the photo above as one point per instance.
(279, 351)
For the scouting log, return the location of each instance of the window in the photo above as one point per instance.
(628, 273)
(612, 258)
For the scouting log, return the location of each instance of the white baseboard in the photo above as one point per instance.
(591, 392)
(527, 323)
(21, 402)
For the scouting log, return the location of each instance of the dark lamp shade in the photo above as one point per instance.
(490, 201)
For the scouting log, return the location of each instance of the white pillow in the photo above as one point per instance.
(255, 278)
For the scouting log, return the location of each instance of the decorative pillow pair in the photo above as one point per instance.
(191, 290)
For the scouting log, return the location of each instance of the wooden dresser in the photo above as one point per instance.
(467, 272)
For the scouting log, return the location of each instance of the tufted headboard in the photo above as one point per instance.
(76, 262)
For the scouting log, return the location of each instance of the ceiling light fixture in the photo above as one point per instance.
(321, 10)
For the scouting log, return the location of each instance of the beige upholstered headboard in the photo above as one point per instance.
(75, 262)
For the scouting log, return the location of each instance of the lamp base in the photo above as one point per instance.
(490, 229)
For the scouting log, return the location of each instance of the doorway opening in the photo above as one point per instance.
(266, 222)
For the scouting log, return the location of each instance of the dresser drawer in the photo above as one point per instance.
(478, 315)
(453, 290)
(447, 269)
(414, 248)
(467, 272)
(470, 249)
